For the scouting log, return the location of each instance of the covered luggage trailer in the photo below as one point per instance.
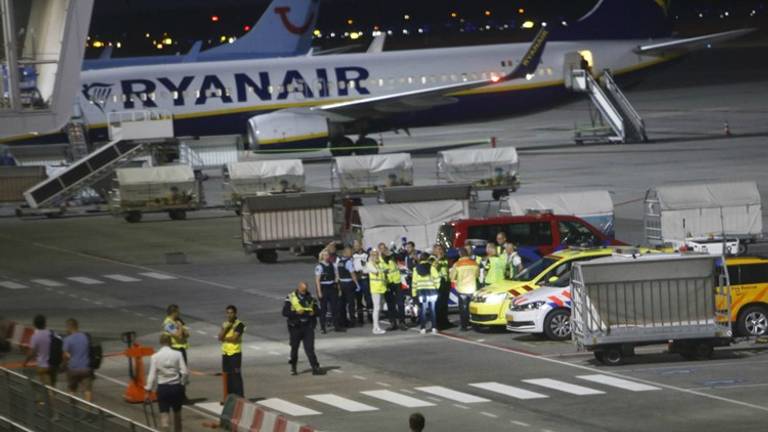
(594, 206)
(171, 188)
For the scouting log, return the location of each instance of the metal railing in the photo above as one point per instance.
(25, 403)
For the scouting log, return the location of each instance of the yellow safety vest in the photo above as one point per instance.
(495, 270)
(421, 283)
(232, 348)
(441, 264)
(393, 273)
(175, 342)
(296, 305)
(378, 282)
(464, 273)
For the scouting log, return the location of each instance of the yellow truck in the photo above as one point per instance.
(749, 295)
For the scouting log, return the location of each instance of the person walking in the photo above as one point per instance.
(40, 349)
(464, 275)
(378, 283)
(345, 269)
(440, 262)
(168, 371)
(231, 338)
(395, 296)
(175, 328)
(76, 348)
(327, 288)
(425, 287)
(364, 302)
(301, 310)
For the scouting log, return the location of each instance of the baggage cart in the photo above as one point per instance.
(254, 178)
(623, 302)
(493, 169)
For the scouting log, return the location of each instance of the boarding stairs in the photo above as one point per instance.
(616, 120)
(132, 134)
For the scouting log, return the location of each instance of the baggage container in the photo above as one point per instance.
(172, 188)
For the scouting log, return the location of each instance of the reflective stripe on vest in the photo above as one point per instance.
(175, 342)
(423, 282)
(232, 348)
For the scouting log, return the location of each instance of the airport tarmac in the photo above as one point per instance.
(113, 276)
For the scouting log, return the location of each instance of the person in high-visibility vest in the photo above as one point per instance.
(514, 264)
(440, 263)
(496, 265)
(301, 310)
(178, 332)
(395, 296)
(231, 338)
(425, 286)
(378, 282)
(464, 275)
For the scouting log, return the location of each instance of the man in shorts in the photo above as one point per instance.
(40, 351)
(77, 347)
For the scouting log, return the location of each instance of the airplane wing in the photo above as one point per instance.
(688, 44)
(382, 106)
(377, 44)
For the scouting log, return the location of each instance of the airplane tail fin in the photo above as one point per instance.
(285, 29)
(622, 19)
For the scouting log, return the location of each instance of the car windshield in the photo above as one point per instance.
(534, 269)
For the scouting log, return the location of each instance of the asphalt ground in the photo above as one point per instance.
(114, 277)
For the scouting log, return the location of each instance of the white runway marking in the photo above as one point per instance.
(507, 390)
(461, 406)
(361, 378)
(342, 403)
(200, 332)
(618, 382)
(397, 398)
(47, 282)
(286, 407)
(383, 384)
(122, 278)
(453, 395)
(85, 280)
(487, 414)
(158, 276)
(519, 423)
(563, 386)
(12, 285)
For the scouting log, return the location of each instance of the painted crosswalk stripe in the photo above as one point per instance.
(47, 282)
(563, 386)
(121, 278)
(618, 382)
(342, 403)
(159, 276)
(397, 398)
(85, 280)
(12, 285)
(453, 395)
(286, 407)
(507, 390)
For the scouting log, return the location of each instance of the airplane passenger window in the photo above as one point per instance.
(351, 84)
(402, 81)
(342, 85)
(444, 78)
(175, 94)
(473, 76)
(484, 75)
(152, 96)
(464, 77)
(454, 78)
(114, 98)
(432, 79)
(143, 96)
(381, 82)
(271, 89)
(423, 79)
(410, 80)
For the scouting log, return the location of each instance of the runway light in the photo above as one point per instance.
(528, 24)
(168, 41)
(354, 35)
(215, 18)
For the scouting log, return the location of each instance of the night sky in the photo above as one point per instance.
(441, 23)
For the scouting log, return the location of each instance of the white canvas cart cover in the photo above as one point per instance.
(695, 210)
(252, 177)
(165, 183)
(360, 172)
(418, 222)
(596, 207)
(495, 166)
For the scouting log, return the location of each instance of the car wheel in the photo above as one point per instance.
(742, 249)
(753, 321)
(557, 325)
(267, 256)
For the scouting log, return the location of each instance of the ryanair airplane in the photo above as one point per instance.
(309, 103)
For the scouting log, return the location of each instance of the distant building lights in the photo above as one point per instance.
(487, 13)
(98, 44)
(354, 35)
(232, 39)
(214, 18)
(168, 41)
(454, 15)
(159, 46)
(350, 21)
(528, 24)
(406, 17)
(521, 11)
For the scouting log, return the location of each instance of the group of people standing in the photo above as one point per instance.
(356, 283)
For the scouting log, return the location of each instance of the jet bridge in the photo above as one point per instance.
(613, 119)
(131, 133)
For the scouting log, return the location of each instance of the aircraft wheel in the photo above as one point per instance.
(366, 146)
(342, 147)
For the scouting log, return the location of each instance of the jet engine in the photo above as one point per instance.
(288, 130)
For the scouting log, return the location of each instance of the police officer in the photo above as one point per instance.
(326, 284)
(440, 263)
(178, 333)
(231, 338)
(301, 311)
(363, 294)
(345, 268)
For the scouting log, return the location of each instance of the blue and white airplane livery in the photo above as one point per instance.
(284, 30)
(316, 102)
